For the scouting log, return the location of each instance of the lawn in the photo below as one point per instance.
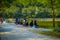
(48, 25)
(45, 24)
(50, 33)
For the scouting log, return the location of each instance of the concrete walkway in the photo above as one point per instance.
(21, 33)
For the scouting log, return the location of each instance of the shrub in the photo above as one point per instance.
(58, 24)
(58, 27)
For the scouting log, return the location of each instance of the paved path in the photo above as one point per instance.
(14, 32)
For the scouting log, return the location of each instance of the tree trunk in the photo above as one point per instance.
(53, 14)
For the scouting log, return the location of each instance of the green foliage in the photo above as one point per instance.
(29, 8)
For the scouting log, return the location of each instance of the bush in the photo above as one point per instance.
(58, 27)
(58, 24)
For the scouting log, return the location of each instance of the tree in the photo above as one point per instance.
(52, 6)
(15, 7)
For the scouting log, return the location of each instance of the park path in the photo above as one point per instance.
(18, 32)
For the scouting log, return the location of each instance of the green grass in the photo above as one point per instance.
(49, 24)
(53, 33)
(48, 33)
(46, 24)
(43, 24)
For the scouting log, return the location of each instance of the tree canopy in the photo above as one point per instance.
(29, 8)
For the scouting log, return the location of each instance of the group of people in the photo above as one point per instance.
(25, 22)
(18, 21)
(33, 24)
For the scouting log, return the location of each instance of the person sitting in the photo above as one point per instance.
(31, 24)
(26, 23)
(1, 20)
(35, 24)
(16, 20)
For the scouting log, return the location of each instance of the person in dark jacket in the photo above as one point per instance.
(31, 24)
(26, 23)
(16, 20)
(35, 23)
